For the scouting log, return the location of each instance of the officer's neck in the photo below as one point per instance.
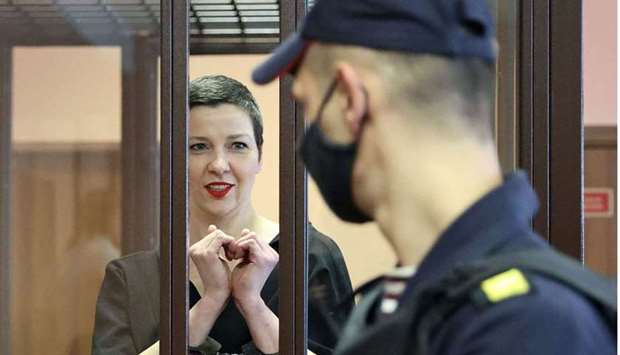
(428, 188)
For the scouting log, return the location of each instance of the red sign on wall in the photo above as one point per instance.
(598, 202)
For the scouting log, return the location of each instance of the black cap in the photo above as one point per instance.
(452, 28)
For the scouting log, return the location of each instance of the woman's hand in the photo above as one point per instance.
(213, 270)
(215, 276)
(249, 276)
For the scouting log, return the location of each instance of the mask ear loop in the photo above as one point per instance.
(365, 117)
(328, 95)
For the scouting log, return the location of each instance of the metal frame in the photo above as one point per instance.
(246, 21)
(550, 117)
(566, 123)
(174, 241)
(533, 110)
(293, 276)
(5, 197)
(196, 47)
(301, 216)
(248, 27)
(505, 84)
(231, 48)
(140, 149)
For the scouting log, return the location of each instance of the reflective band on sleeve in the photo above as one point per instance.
(508, 284)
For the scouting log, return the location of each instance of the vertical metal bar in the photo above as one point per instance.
(301, 247)
(140, 197)
(180, 107)
(301, 223)
(174, 243)
(525, 83)
(540, 117)
(293, 207)
(495, 88)
(174, 302)
(287, 276)
(550, 117)
(566, 133)
(5, 198)
(165, 325)
(506, 128)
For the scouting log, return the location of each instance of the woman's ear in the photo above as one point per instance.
(353, 89)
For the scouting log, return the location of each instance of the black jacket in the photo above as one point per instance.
(127, 315)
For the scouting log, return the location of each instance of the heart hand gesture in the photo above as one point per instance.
(257, 261)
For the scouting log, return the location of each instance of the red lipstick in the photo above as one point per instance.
(219, 189)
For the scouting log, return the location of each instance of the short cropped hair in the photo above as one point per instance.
(412, 81)
(213, 90)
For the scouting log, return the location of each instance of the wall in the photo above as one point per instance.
(66, 94)
(600, 62)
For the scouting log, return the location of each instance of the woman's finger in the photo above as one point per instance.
(233, 251)
(253, 236)
(253, 251)
(219, 240)
(212, 233)
(215, 241)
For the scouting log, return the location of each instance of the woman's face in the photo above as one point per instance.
(223, 159)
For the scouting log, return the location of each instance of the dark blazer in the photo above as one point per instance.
(127, 315)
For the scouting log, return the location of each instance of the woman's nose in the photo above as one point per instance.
(218, 165)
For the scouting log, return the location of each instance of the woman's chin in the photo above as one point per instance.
(218, 209)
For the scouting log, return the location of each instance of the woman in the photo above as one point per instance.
(233, 252)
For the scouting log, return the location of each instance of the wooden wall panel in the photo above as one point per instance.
(65, 228)
(601, 171)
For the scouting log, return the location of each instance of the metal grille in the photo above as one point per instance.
(210, 20)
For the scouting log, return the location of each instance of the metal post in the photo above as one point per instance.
(293, 208)
(533, 103)
(174, 88)
(506, 122)
(5, 199)
(566, 133)
(550, 117)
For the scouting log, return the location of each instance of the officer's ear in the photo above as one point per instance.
(351, 86)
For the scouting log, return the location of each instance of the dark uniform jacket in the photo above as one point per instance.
(550, 319)
(127, 315)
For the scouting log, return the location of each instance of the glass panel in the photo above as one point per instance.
(65, 194)
(359, 253)
(84, 176)
(233, 185)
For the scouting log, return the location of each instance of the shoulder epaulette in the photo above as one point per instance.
(508, 284)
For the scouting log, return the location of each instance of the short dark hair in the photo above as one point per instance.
(213, 90)
(413, 80)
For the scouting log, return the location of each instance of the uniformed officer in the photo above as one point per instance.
(398, 97)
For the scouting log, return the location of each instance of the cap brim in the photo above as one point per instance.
(283, 60)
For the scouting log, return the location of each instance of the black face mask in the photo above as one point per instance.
(331, 166)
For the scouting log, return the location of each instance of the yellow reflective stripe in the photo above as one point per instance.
(508, 284)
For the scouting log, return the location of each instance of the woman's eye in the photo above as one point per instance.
(239, 146)
(197, 147)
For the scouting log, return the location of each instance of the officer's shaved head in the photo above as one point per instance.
(418, 83)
